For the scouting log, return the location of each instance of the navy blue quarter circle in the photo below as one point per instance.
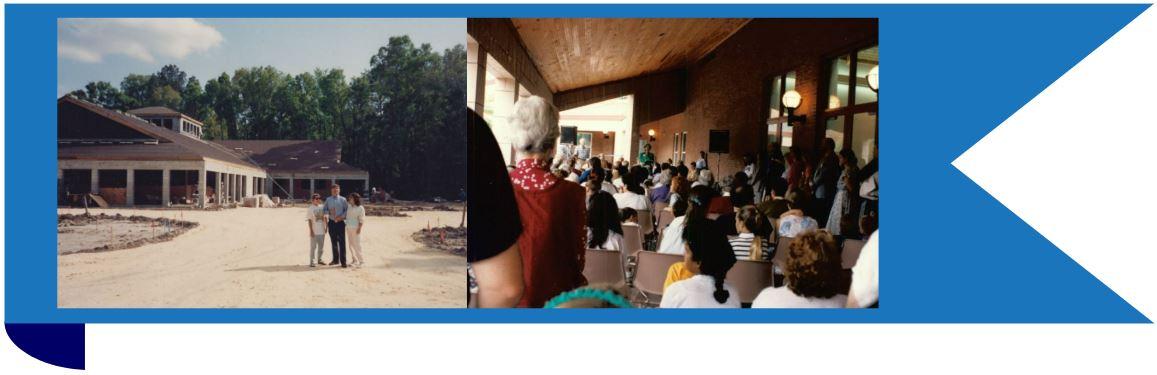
(55, 344)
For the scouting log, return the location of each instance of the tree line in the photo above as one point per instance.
(401, 119)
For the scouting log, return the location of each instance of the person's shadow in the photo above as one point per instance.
(285, 268)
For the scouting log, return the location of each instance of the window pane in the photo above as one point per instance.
(835, 131)
(863, 136)
(838, 86)
(790, 79)
(776, 96)
(772, 133)
(866, 59)
(787, 129)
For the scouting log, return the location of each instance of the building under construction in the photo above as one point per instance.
(154, 157)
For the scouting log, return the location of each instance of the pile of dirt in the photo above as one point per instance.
(390, 211)
(93, 233)
(445, 238)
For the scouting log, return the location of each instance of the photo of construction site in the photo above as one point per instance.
(232, 163)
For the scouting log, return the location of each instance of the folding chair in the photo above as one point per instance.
(603, 267)
(749, 277)
(651, 273)
(665, 218)
(780, 257)
(851, 253)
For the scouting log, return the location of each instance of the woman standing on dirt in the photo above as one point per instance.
(355, 220)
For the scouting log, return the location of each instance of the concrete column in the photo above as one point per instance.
(202, 187)
(292, 185)
(130, 190)
(311, 187)
(475, 76)
(219, 185)
(165, 187)
(365, 185)
(94, 182)
(504, 97)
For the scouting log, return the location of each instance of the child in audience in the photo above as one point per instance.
(752, 242)
(815, 276)
(708, 256)
(628, 216)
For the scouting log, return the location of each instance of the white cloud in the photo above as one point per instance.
(145, 39)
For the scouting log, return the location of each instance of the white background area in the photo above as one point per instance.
(1076, 164)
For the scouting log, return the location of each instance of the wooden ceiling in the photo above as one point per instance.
(578, 52)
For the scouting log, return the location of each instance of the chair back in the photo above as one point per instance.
(603, 267)
(646, 222)
(665, 218)
(652, 271)
(781, 247)
(632, 238)
(659, 206)
(851, 252)
(749, 277)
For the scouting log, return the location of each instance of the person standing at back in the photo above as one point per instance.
(552, 210)
(335, 208)
(823, 181)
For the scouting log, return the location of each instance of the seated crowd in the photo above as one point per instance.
(560, 208)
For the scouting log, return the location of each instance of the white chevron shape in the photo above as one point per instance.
(1078, 163)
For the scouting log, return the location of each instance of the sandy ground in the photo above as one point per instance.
(259, 257)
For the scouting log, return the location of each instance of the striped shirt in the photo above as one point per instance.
(742, 246)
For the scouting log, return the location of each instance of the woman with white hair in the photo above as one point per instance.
(553, 210)
(705, 178)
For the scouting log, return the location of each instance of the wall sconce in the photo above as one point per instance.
(874, 79)
(651, 133)
(791, 101)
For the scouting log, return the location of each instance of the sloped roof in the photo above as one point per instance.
(171, 145)
(154, 111)
(293, 156)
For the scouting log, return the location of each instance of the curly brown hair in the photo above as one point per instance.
(813, 266)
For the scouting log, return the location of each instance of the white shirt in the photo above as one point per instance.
(783, 297)
(697, 292)
(632, 200)
(673, 237)
(614, 240)
(749, 170)
(610, 188)
(866, 275)
(315, 214)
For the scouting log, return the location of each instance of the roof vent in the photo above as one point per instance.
(325, 167)
(292, 158)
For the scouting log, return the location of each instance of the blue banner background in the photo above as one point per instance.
(952, 252)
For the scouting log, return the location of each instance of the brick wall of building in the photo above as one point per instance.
(727, 89)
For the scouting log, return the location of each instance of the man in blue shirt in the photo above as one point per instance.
(335, 210)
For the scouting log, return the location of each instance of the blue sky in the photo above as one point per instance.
(108, 49)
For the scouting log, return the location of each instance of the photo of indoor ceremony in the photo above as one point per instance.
(673, 163)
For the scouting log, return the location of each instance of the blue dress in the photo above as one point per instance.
(842, 208)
